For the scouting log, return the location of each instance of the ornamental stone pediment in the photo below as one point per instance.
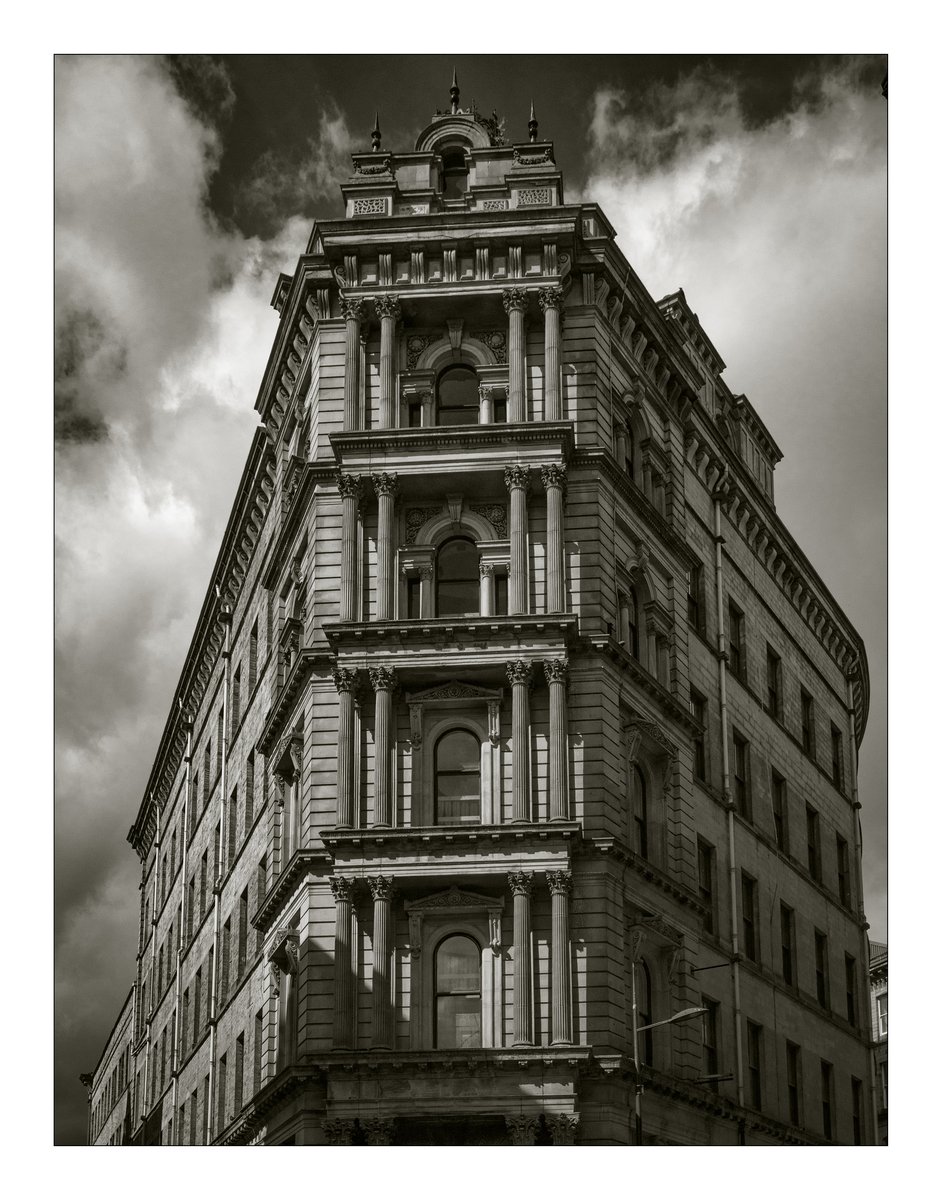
(454, 897)
(452, 691)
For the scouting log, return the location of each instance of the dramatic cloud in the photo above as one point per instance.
(777, 233)
(162, 333)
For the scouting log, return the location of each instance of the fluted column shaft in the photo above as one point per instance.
(353, 314)
(560, 884)
(515, 304)
(344, 988)
(382, 890)
(384, 682)
(550, 300)
(554, 480)
(388, 311)
(349, 488)
(520, 884)
(517, 479)
(555, 670)
(518, 673)
(385, 486)
(345, 682)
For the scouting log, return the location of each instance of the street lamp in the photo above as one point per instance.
(685, 1014)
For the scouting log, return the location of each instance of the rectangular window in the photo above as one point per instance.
(881, 1015)
(843, 872)
(884, 1091)
(750, 918)
(197, 1001)
(706, 870)
(754, 1052)
(219, 736)
(821, 980)
(413, 598)
(192, 813)
(812, 826)
(793, 1081)
(185, 1023)
(696, 614)
(217, 851)
(711, 1041)
(257, 1052)
(780, 811)
(206, 1110)
(236, 700)
(737, 641)
(742, 786)
(239, 1073)
(261, 886)
(204, 871)
(243, 932)
(787, 919)
(191, 901)
(194, 1104)
(253, 657)
(500, 595)
(269, 622)
(827, 1099)
(837, 757)
(773, 682)
(225, 964)
(850, 987)
(856, 1103)
(414, 414)
(207, 771)
(249, 794)
(232, 833)
(807, 723)
(173, 855)
(698, 710)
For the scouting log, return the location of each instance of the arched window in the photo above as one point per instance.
(457, 778)
(457, 578)
(639, 802)
(645, 1009)
(454, 173)
(459, 402)
(457, 993)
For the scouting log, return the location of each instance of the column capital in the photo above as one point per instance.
(517, 476)
(514, 299)
(378, 1130)
(352, 309)
(485, 390)
(383, 679)
(345, 679)
(381, 887)
(387, 306)
(385, 484)
(520, 671)
(486, 569)
(550, 297)
(559, 882)
(553, 475)
(520, 882)
(348, 486)
(339, 1132)
(563, 1127)
(556, 670)
(341, 888)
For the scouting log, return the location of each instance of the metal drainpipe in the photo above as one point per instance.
(858, 881)
(730, 821)
(153, 954)
(175, 1057)
(226, 618)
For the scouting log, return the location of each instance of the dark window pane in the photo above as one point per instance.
(458, 397)
(457, 588)
(458, 751)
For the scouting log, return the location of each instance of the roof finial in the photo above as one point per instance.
(453, 90)
(376, 136)
(532, 124)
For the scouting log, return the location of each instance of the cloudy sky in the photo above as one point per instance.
(184, 185)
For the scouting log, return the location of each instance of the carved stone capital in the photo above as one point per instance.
(378, 1130)
(553, 475)
(520, 882)
(522, 1130)
(388, 306)
(381, 887)
(556, 670)
(341, 888)
(487, 570)
(520, 671)
(345, 679)
(563, 1128)
(348, 486)
(382, 678)
(550, 297)
(517, 476)
(285, 951)
(351, 310)
(338, 1132)
(485, 390)
(514, 299)
(385, 484)
(559, 882)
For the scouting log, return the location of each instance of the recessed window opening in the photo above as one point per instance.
(458, 993)
(457, 578)
(459, 402)
(457, 778)
(454, 174)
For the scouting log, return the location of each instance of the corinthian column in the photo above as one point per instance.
(555, 670)
(517, 479)
(515, 306)
(344, 991)
(518, 673)
(385, 486)
(352, 311)
(487, 589)
(349, 488)
(554, 480)
(345, 681)
(382, 890)
(520, 884)
(388, 311)
(550, 300)
(560, 885)
(384, 682)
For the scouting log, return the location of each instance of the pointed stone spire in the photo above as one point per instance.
(453, 90)
(376, 136)
(532, 125)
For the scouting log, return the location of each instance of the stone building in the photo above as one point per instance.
(515, 723)
(879, 986)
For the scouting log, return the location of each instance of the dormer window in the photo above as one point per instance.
(454, 174)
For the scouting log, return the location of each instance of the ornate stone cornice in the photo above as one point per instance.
(514, 299)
